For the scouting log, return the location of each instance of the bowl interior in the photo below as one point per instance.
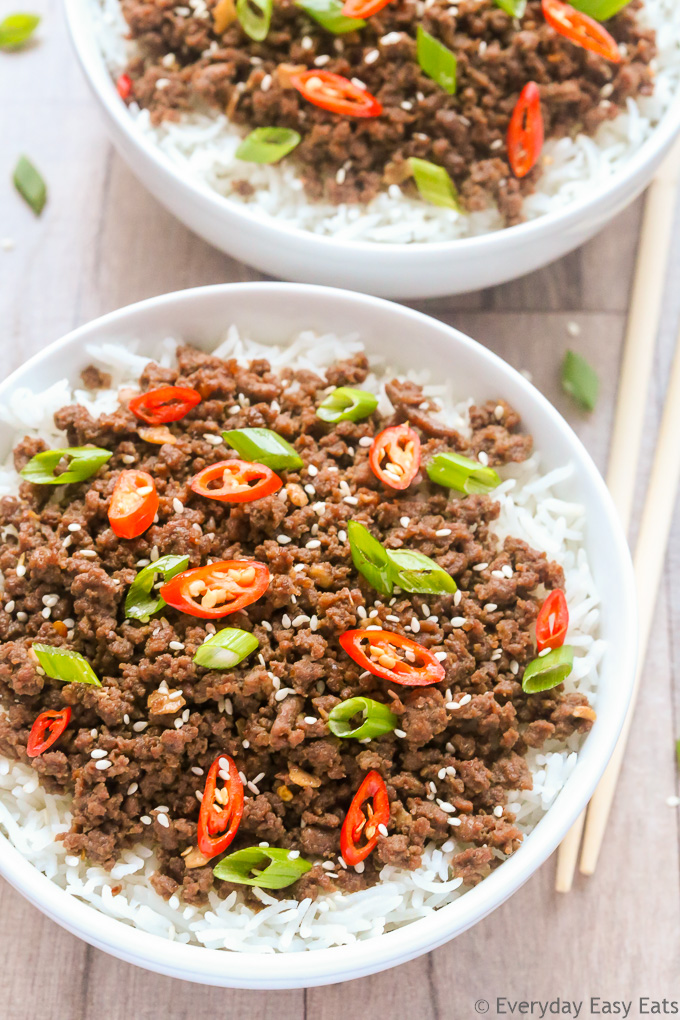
(406, 339)
(394, 255)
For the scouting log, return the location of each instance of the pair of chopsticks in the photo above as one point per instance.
(648, 560)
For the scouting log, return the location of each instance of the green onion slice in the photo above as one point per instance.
(677, 752)
(255, 17)
(328, 13)
(417, 573)
(30, 185)
(64, 664)
(516, 8)
(140, 603)
(547, 671)
(580, 380)
(436, 60)
(247, 867)
(83, 461)
(434, 184)
(377, 718)
(346, 404)
(225, 649)
(601, 10)
(370, 557)
(268, 144)
(461, 473)
(265, 447)
(17, 29)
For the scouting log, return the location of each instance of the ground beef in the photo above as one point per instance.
(458, 749)
(185, 64)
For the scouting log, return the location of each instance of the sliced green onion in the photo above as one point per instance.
(328, 13)
(64, 664)
(547, 671)
(377, 719)
(677, 752)
(601, 10)
(225, 649)
(461, 473)
(436, 60)
(434, 183)
(246, 867)
(370, 558)
(140, 603)
(418, 574)
(346, 404)
(265, 447)
(17, 29)
(255, 17)
(83, 462)
(30, 185)
(580, 381)
(268, 144)
(515, 8)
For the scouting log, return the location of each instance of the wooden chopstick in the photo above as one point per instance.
(636, 369)
(650, 551)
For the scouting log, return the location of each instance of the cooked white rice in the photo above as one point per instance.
(31, 817)
(203, 147)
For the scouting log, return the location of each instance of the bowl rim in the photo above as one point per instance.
(325, 966)
(78, 17)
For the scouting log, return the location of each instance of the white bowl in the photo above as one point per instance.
(277, 312)
(390, 270)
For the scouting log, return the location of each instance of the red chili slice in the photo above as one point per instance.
(124, 86)
(218, 589)
(395, 456)
(363, 8)
(526, 132)
(379, 651)
(237, 481)
(168, 403)
(552, 621)
(581, 29)
(133, 505)
(335, 93)
(360, 824)
(46, 730)
(221, 810)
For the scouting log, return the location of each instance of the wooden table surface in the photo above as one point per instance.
(103, 242)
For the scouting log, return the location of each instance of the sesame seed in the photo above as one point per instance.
(177, 505)
(154, 554)
(498, 811)
(145, 820)
(365, 441)
(22, 616)
(415, 624)
(312, 471)
(350, 500)
(480, 566)
(285, 621)
(457, 597)
(283, 539)
(103, 764)
(266, 625)
(465, 700)
(313, 543)
(132, 788)
(47, 612)
(443, 532)
(359, 868)
(454, 821)
(176, 646)
(74, 527)
(299, 620)
(441, 656)
(140, 726)
(490, 607)
(545, 651)
(128, 458)
(9, 608)
(212, 439)
(283, 693)
(21, 570)
(342, 536)
(98, 752)
(457, 621)
(483, 458)
(310, 720)
(67, 542)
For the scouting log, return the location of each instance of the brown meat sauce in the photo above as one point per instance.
(59, 554)
(342, 159)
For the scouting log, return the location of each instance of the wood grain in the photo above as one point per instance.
(103, 242)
